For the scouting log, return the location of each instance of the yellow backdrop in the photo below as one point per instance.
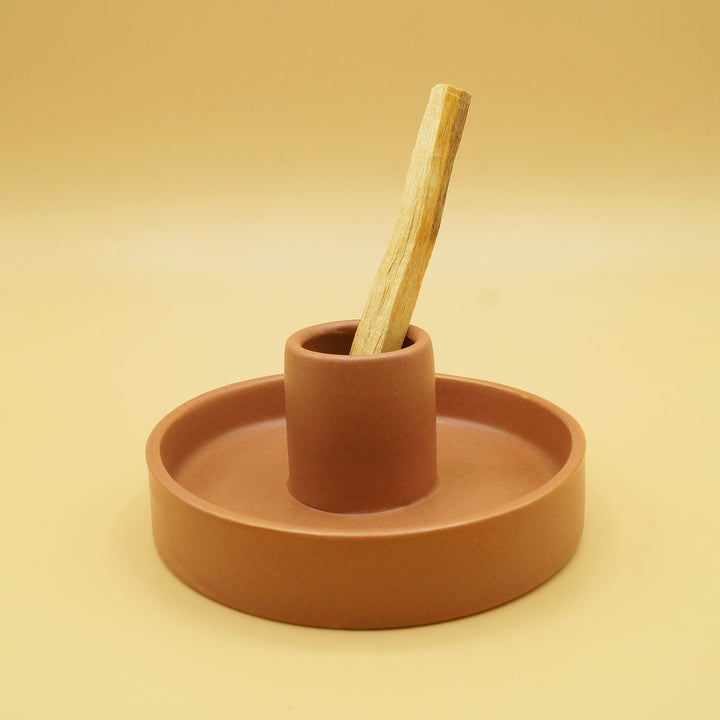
(184, 184)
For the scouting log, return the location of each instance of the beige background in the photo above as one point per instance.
(184, 184)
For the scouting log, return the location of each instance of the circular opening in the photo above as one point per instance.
(338, 342)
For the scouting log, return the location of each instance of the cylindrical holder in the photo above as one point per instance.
(357, 435)
(361, 429)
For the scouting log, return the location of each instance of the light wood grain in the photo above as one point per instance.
(394, 292)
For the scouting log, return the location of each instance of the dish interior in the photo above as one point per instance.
(496, 447)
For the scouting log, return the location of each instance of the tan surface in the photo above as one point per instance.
(174, 203)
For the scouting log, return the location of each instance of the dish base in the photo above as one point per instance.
(506, 513)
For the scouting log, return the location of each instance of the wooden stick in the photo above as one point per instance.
(392, 298)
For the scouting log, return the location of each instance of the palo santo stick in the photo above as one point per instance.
(392, 298)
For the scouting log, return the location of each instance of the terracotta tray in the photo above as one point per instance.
(505, 515)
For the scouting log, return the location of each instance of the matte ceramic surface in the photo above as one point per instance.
(361, 430)
(505, 514)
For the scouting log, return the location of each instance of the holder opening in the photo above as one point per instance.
(339, 341)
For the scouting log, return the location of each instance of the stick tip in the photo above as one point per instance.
(446, 89)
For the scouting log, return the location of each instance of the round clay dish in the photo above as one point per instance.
(505, 514)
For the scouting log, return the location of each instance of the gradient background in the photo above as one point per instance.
(184, 184)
